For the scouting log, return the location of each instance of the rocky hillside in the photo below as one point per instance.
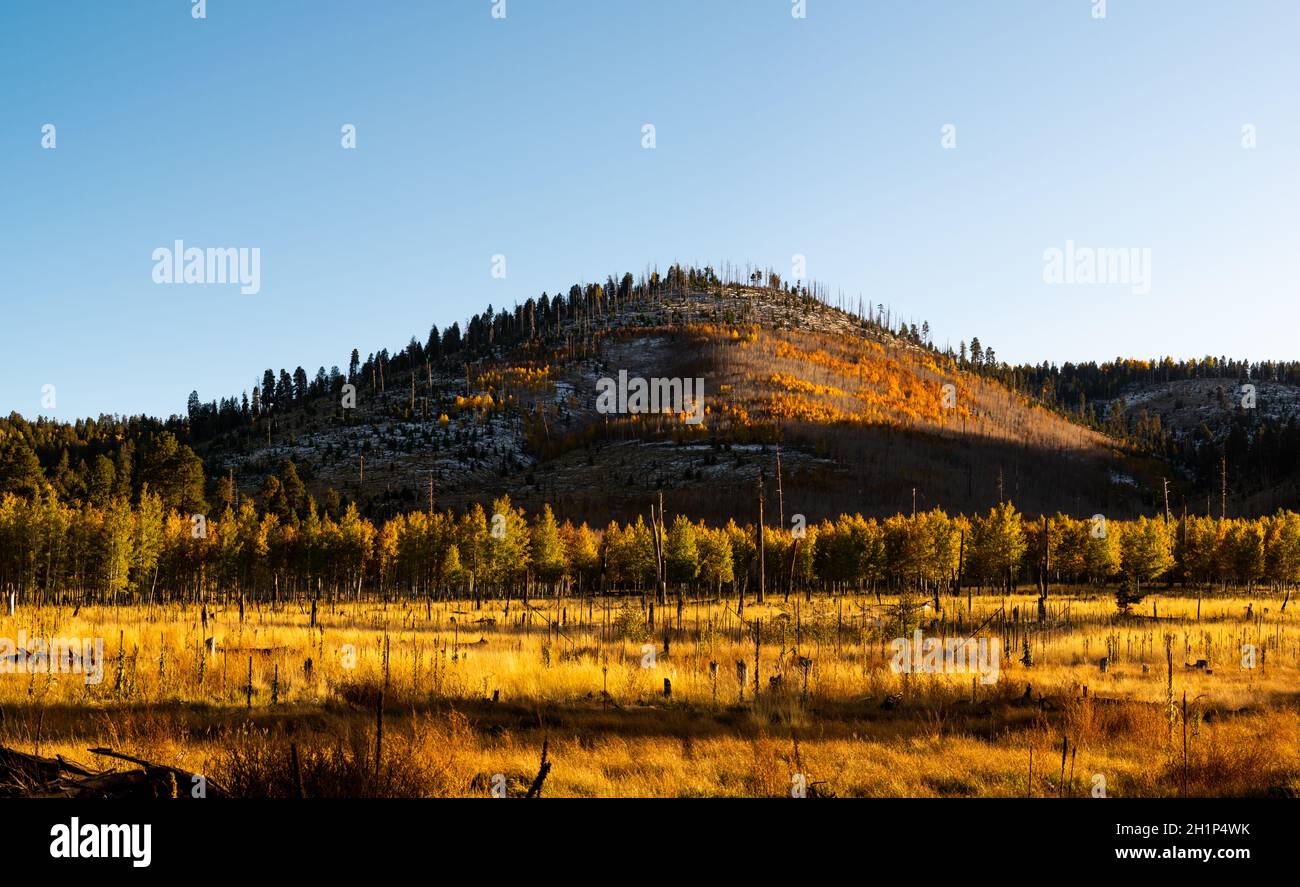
(864, 420)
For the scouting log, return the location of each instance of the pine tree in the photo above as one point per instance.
(295, 492)
(433, 347)
(175, 473)
(268, 391)
(20, 469)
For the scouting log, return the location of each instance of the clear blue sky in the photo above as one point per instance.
(775, 136)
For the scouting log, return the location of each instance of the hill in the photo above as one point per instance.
(1218, 431)
(857, 411)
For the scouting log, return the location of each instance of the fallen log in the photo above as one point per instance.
(21, 773)
(24, 775)
(179, 783)
(535, 790)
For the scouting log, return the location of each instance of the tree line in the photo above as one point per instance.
(124, 551)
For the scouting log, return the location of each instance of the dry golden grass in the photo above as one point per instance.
(572, 673)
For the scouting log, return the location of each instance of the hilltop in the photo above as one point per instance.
(855, 408)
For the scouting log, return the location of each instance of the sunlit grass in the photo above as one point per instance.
(588, 677)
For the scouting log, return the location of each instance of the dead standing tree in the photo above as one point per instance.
(1042, 576)
(661, 573)
(762, 572)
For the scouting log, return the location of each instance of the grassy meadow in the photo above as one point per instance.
(440, 698)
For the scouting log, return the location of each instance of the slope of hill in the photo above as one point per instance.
(1220, 432)
(859, 415)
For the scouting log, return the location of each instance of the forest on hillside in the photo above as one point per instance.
(788, 361)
